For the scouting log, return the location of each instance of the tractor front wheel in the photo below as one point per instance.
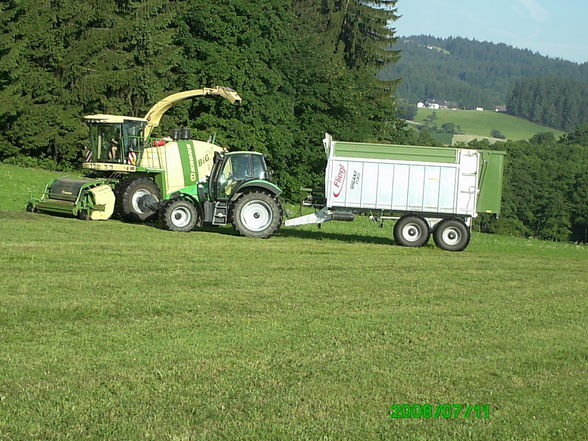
(179, 215)
(129, 192)
(257, 214)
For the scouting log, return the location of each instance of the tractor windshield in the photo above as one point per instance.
(241, 167)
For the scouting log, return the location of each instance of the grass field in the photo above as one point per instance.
(481, 123)
(114, 331)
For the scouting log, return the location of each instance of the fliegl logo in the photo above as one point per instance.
(339, 181)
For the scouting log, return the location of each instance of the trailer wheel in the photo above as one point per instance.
(452, 235)
(179, 215)
(411, 231)
(128, 193)
(257, 214)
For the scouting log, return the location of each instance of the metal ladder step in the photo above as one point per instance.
(220, 213)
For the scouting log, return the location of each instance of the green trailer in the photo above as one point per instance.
(426, 190)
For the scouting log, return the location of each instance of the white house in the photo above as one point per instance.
(434, 104)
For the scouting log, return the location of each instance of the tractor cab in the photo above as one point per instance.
(115, 139)
(232, 170)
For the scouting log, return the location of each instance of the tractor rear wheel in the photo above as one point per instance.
(128, 193)
(411, 231)
(257, 214)
(452, 235)
(179, 215)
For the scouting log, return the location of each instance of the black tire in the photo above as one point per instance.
(411, 231)
(451, 235)
(128, 192)
(30, 208)
(83, 214)
(179, 215)
(257, 214)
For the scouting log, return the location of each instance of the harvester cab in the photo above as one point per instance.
(114, 140)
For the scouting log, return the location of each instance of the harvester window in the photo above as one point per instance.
(133, 136)
(105, 140)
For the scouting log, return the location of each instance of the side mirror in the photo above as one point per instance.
(217, 157)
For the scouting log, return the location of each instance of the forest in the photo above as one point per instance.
(554, 102)
(546, 187)
(469, 72)
(303, 68)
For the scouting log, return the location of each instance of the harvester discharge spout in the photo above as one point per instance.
(154, 114)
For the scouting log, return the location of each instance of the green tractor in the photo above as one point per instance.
(237, 191)
(136, 176)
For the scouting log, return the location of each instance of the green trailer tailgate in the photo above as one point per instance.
(490, 184)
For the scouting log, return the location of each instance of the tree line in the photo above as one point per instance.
(554, 102)
(302, 67)
(545, 192)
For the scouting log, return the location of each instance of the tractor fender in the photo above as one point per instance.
(256, 184)
(193, 198)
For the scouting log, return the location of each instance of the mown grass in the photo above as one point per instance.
(481, 123)
(17, 184)
(128, 332)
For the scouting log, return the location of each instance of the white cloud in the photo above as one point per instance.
(537, 12)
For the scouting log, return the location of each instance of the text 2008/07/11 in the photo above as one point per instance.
(445, 411)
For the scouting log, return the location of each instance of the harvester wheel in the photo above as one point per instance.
(128, 193)
(257, 214)
(83, 214)
(179, 215)
(31, 207)
(411, 231)
(452, 235)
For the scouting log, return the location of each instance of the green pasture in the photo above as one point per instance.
(18, 184)
(114, 331)
(481, 123)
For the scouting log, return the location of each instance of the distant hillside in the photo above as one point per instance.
(481, 124)
(470, 72)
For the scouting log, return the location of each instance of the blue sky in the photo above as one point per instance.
(557, 28)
